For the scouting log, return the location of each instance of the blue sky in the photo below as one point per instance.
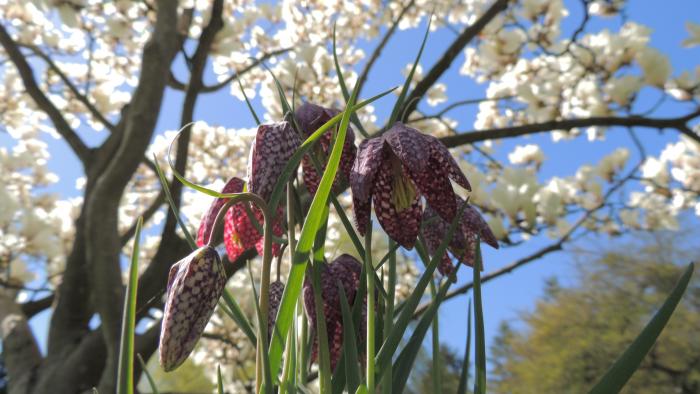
(509, 294)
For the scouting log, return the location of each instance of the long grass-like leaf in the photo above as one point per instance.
(480, 337)
(386, 352)
(219, 380)
(407, 357)
(125, 374)
(324, 360)
(144, 368)
(436, 374)
(352, 371)
(250, 106)
(239, 317)
(621, 371)
(300, 255)
(343, 87)
(171, 203)
(404, 91)
(464, 376)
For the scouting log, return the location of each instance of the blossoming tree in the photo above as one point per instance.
(93, 75)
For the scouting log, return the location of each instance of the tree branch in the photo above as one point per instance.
(680, 124)
(42, 101)
(20, 351)
(450, 55)
(31, 308)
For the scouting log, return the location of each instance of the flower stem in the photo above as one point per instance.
(369, 269)
(389, 312)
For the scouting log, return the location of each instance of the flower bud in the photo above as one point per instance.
(195, 284)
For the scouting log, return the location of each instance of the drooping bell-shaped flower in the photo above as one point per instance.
(240, 233)
(274, 144)
(195, 284)
(393, 171)
(310, 117)
(345, 270)
(463, 243)
(275, 296)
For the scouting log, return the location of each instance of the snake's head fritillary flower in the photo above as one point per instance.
(274, 144)
(234, 185)
(276, 291)
(310, 117)
(345, 270)
(463, 243)
(240, 233)
(195, 284)
(393, 171)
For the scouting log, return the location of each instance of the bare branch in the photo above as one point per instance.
(31, 308)
(19, 348)
(66, 81)
(450, 55)
(42, 101)
(680, 124)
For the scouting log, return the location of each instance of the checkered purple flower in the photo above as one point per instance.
(195, 284)
(274, 144)
(393, 171)
(310, 117)
(346, 270)
(463, 243)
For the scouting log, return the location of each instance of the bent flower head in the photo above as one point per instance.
(310, 117)
(393, 171)
(195, 284)
(463, 243)
(274, 144)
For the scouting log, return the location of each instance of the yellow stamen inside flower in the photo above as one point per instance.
(403, 192)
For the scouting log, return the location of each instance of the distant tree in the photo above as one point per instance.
(576, 332)
(451, 367)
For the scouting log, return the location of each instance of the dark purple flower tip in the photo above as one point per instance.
(345, 270)
(195, 284)
(310, 117)
(276, 291)
(393, 171)
(234, 185)
(274, 144)
(463, 243)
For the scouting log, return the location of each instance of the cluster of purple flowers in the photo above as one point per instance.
(392, 172)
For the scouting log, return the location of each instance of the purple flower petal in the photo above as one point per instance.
(442, 155)
(274, 144)
(435, 186)
(402, 225)
(196, 283)
(370, 155)
(234, 185)
(409, 145)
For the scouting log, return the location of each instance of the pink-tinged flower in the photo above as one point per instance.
(275, 296)
(393, 171)
(310, 117)
(195, 284)
(463, 243)
(234, 185)
(274, 144)
(346, 270)
(240, 234)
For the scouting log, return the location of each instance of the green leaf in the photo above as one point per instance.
(236, 313)
(436, 375)
(219, 380)
(352, 371)
(623, 368)
(343, 87)
(464, 376)
(166, 189)
(324, 360)
(404, 91)
(386, 352)
(312, 222)
(250, 106)
(404, 363)
(144, 368)
(362, 390)
(480, 337)
(125, 374)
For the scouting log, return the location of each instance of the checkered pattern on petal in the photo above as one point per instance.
(409, 145)
(370, 155)
(433, 231)
(346, 270)
(275, 296)
(441, 154)
(277, 231)
(195, 285)
(434, 184)
(401, 226)
(274, 144)
(312, 179)
(234, 185)
(473, 222)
